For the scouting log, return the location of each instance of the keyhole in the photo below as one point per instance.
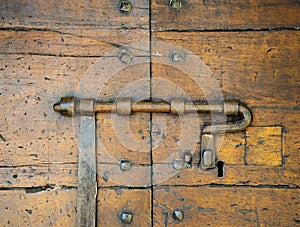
(220, 165)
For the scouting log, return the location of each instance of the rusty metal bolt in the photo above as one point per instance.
(125, 56)
(177, 56)
(126, 217)
(175, 4)
(125, 6)
(178, 215)
(125, 165)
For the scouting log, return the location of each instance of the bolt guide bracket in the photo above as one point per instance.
(86, 108)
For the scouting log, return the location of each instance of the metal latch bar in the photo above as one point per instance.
(87, 185)
(68, 106)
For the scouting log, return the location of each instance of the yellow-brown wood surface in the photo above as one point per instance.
(217, 206)
(48, 49)
(225, 15)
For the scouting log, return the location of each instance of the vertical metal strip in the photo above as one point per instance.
(87, 184)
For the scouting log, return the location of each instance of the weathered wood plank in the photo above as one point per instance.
(225, 15)
(138, 176)
(73, 42)
(116, 143)
(264, 146)
(112, 175)
(259, 68)
(40, 208)
(65, 174)
(239, 175)
(57, 207)
(112, 202)
(223, 206)
(56, 15)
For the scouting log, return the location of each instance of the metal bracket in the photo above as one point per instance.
(87, 182)
(87, 185)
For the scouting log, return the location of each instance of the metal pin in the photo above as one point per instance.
(125, 56)
(175, 4)
(178, 215)
(125, 6)
(126, 217)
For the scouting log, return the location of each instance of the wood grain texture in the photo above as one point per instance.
(74, 42)
(38, 208)
(57, 207)
(264, 146)
(57, 15)
(225, 15)
(227, 206)
(259, 68)
(112, 202)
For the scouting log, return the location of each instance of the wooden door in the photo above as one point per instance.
(50, 49)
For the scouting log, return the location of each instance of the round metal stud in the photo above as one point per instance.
(126, 217)
(125, 6)
(175, 4)
(125, 56)
(178, 215)
(125, 165)
(177, 56)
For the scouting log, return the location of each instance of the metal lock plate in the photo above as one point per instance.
(207, 153)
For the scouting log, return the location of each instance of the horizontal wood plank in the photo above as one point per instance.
(225, 15)
(226, 206)
(57, 15)
(41, 208)
(74, 42)
(57, 207)
(238, 175)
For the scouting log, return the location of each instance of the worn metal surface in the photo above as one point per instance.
(68, 106)
(207, 152)
(87, 184)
